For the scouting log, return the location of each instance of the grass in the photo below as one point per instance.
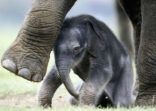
(17, 94)
(69, 108)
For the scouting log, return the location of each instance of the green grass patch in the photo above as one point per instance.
(73, 109)
(10, 84)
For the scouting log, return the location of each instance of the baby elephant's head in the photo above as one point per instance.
(69, 50)
(70, 47)
(78, 39)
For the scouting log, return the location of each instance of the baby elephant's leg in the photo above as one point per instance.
(87, 94)
(50, 84)
(98, 77)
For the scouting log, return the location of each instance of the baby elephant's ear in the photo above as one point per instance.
(94, 43)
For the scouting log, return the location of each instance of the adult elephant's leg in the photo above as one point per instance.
(50, 84)
(125, 29)
(28, 56)
(147, 55)
(132, 8)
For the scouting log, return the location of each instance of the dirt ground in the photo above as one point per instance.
(29, 100)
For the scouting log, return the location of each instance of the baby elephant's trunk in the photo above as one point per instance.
(64, 75)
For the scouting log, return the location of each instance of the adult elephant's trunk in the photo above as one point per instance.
(64, 70)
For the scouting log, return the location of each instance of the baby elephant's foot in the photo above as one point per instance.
(73, 101)
(27, 60)
(45, 102)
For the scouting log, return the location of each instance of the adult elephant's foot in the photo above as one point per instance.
(146, 69)
(29, 54)
(147, 97)
(27, 59)
(147, 76)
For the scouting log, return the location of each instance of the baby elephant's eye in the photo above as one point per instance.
(77, 50)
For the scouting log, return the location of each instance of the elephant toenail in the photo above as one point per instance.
(37, 78)
(9, 65)
(25, 73)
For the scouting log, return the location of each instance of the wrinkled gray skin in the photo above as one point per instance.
(90, 49)
(32, 47)
(142, 14)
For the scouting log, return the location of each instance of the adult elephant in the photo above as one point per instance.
(37, 36)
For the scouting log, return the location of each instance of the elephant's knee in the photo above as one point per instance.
(88, 95)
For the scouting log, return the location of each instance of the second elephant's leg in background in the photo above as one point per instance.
(143, 20)
(147, 55)
(50, 84)
(125, 29)
(132, 9)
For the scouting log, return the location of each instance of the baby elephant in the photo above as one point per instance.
(90, 49)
